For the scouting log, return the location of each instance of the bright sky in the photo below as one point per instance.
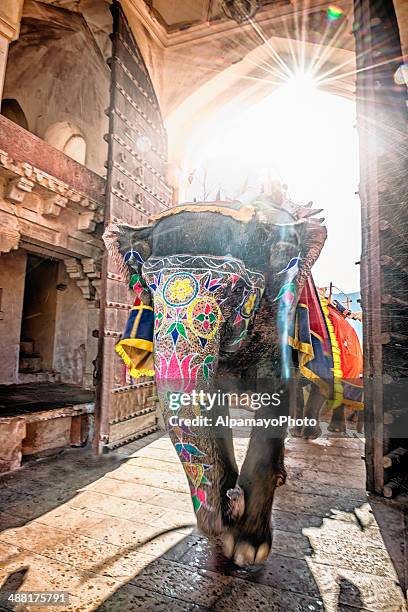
(307, 138)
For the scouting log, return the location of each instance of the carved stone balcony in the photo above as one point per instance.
(46, 197)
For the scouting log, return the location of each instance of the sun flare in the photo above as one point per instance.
(306, 138)
(302, 83)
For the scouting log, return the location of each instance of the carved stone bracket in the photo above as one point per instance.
(91, 267)
(9, 239)
(96, 284)
(86, 274)
(76, 272)
(17, 189)
(53, 205)
(92, 270)
(87, 222)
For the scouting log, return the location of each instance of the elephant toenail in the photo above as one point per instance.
(228, 545)
(245, 555)
(262, 553)
(280, 481)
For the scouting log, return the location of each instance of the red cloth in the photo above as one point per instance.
(310, 298)
(351, 355)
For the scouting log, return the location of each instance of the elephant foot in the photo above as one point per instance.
(338, 421)
(296, 432)
(353, 417)
(311, 432)
(336, 427)
(360, 427)
(247, 548)
(308, 432)
(249, 540)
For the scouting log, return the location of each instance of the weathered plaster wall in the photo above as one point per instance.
(10, 15)
(57, 73)
(71, 331)
(12, 275)
(401, 9)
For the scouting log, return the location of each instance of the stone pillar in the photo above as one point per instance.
(12, 280)
(10, 17)
(91, 345)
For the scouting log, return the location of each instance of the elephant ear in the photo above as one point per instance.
(128, 246)
(314, 236)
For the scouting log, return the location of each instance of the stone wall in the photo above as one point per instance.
(71, 331)
(12, 275)
(59, 76)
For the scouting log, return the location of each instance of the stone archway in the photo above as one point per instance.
(240, 86)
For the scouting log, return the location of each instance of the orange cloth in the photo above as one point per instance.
(351, 355)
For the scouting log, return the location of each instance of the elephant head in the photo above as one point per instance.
(211, 268)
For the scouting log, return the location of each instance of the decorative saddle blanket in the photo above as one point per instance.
(324, 342)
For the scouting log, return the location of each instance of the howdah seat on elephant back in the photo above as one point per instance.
(223, 280)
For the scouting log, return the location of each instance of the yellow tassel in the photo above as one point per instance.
(134, 372)
(337, 371)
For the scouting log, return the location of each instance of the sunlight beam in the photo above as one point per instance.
(301, 134)
(329, 47)
(275, 54)
(358, 70)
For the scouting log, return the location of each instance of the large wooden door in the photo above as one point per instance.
(136, 189)
(382, 124)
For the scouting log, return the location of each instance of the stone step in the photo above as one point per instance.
(27, 347)
(31, 363)
(43, 433)
(25, 378)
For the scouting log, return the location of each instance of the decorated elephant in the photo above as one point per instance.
(329, 359)
(219, 281)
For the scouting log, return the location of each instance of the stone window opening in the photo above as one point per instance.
(68, 138)
(12, 110)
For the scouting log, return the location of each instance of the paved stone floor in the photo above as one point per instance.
(117, 533)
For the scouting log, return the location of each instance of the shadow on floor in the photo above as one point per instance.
(44, 484)
(113, 550)
(392, 519)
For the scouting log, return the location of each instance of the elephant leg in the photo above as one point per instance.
(298, 406)
(208, 462)
(249, 540)
(338, 420)
(231, 496)
(360, 421)
(314, 404)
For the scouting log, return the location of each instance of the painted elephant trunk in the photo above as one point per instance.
(189, 323)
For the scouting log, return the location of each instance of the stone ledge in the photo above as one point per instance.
(56, 413)
(24, 178)
(32, 153)
(42, 433)
(12, 433)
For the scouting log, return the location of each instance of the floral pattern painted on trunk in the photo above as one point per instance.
(193, 297)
